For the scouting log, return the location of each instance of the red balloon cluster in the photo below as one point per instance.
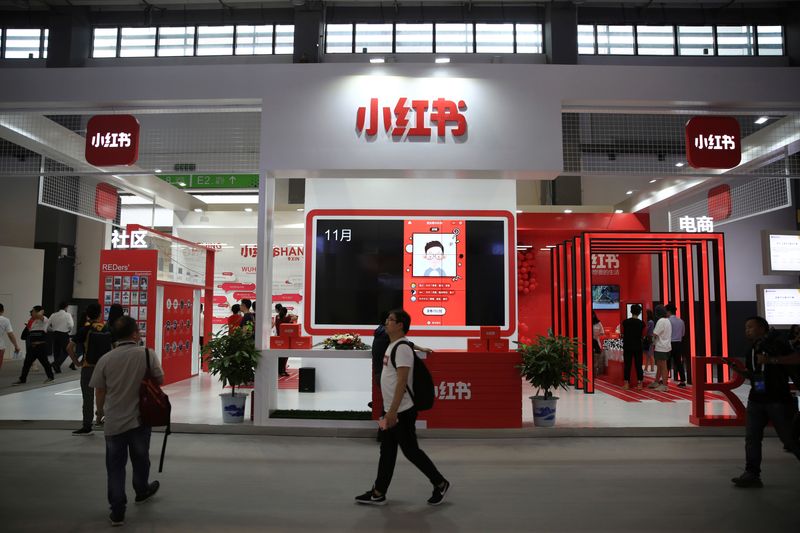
(526, 272)
(523, 333)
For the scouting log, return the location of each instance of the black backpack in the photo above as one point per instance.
(424, 390)
(98, 343)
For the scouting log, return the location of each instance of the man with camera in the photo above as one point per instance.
(770, 398)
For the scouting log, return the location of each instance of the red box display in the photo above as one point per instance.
(112, 140)
(299, 343)
(498, 345)
(477, 345)
(291, 330)
(279, 343)
(713, 142)
(490, 332)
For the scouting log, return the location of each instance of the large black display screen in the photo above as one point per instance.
(447, 272)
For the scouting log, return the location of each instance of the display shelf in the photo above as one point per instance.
(323, 354)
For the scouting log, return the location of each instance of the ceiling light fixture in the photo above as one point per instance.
(377, 60)
(182, 184)
(442, 60)
(248, 209)
(519, 210)
(568, 210)
(653, 181)
(629, 193)
(618, 211)
(198, 210)
(679, 165)
(157, 171)
(300, 209)
(761, 120)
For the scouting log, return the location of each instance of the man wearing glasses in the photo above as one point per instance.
(434, 255)
(398, 424)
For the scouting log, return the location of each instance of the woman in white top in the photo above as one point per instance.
(662, 335)
(38, 346)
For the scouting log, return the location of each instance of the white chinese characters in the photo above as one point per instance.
(696, 224)
(119, 139)
(453, 391)
(121, 240)
(715, 142)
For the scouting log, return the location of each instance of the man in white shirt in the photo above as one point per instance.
(676, 340)
(401, 415)
(5, 329)
(61, 325)
(116, 380)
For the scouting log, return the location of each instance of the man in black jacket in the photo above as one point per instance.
(770, 398)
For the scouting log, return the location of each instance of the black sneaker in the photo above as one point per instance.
(369, 498)
(748, 480)
(83, 432)
(439, 493)
(72, 366)
(117, 519)
(682, 384)
(18, 382)
(151, 490)
(56, 369)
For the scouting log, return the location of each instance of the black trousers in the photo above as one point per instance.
(282, 365)
(88, 396)
(36, 352)
(758, 415)
(630, 356)
(676, 356)
(404, 435)
(60, 342)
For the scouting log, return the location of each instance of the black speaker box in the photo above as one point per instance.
(308, 379)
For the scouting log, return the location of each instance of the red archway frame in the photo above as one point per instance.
(688, 263)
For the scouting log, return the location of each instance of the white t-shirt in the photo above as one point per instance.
(663, 334)
(61, 321)
(403, 357)
(5, 329)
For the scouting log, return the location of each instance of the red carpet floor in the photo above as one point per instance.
(674, 393)
(292, 381)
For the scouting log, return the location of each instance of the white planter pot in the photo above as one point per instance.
(233, 407)
(544, 411)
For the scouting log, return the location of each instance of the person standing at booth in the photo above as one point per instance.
(6, 329)
(648, 342)
(662, 333)
(676, 352)
(632, 330)
(95, 338)
(235, 318)
(398, 423)
(61, 325)
(597, 349)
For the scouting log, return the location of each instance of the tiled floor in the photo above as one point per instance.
(196, 401)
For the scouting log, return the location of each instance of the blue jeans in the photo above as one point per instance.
(758, 415)
(137, 442)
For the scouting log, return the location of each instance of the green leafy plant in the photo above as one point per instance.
(232, 356)
(550, 362)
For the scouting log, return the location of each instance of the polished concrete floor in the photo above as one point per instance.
(52, 481)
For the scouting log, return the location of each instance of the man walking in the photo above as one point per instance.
(96, 340)
(676, 354)
(61, 325)
(116, 381)
(401, 415)
(6, 329)
(770, 398)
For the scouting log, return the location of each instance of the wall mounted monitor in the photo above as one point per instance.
(451, 270)
(780, 251)
(779, 304)
(605, 297)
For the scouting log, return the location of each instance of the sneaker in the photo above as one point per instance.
(117, 519)
(83, 432)
(654, 385)
(72, 366)
(98, 424)
(151, 490)
(748, 480)
(682, 384)
(18, 382)
(639, 386)
(626, 386)
(662, 388)
(56, 369)
(439, 493)
(369, 498)
(49, 380)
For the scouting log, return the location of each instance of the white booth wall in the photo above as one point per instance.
(21, 276)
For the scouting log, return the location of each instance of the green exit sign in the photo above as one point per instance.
(212, 181)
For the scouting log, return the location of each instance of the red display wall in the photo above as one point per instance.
(176, 352)
(128, 277)
(541, 229)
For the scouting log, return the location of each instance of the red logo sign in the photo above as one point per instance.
(112, 140)
(713, 142)
(719, 202)
(105, 201)
(396, 121)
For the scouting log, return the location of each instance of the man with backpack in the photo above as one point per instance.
(401, 401)
(117, 380)
(96, 339)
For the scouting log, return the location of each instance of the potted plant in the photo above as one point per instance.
(232, 356)
(549, 363)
